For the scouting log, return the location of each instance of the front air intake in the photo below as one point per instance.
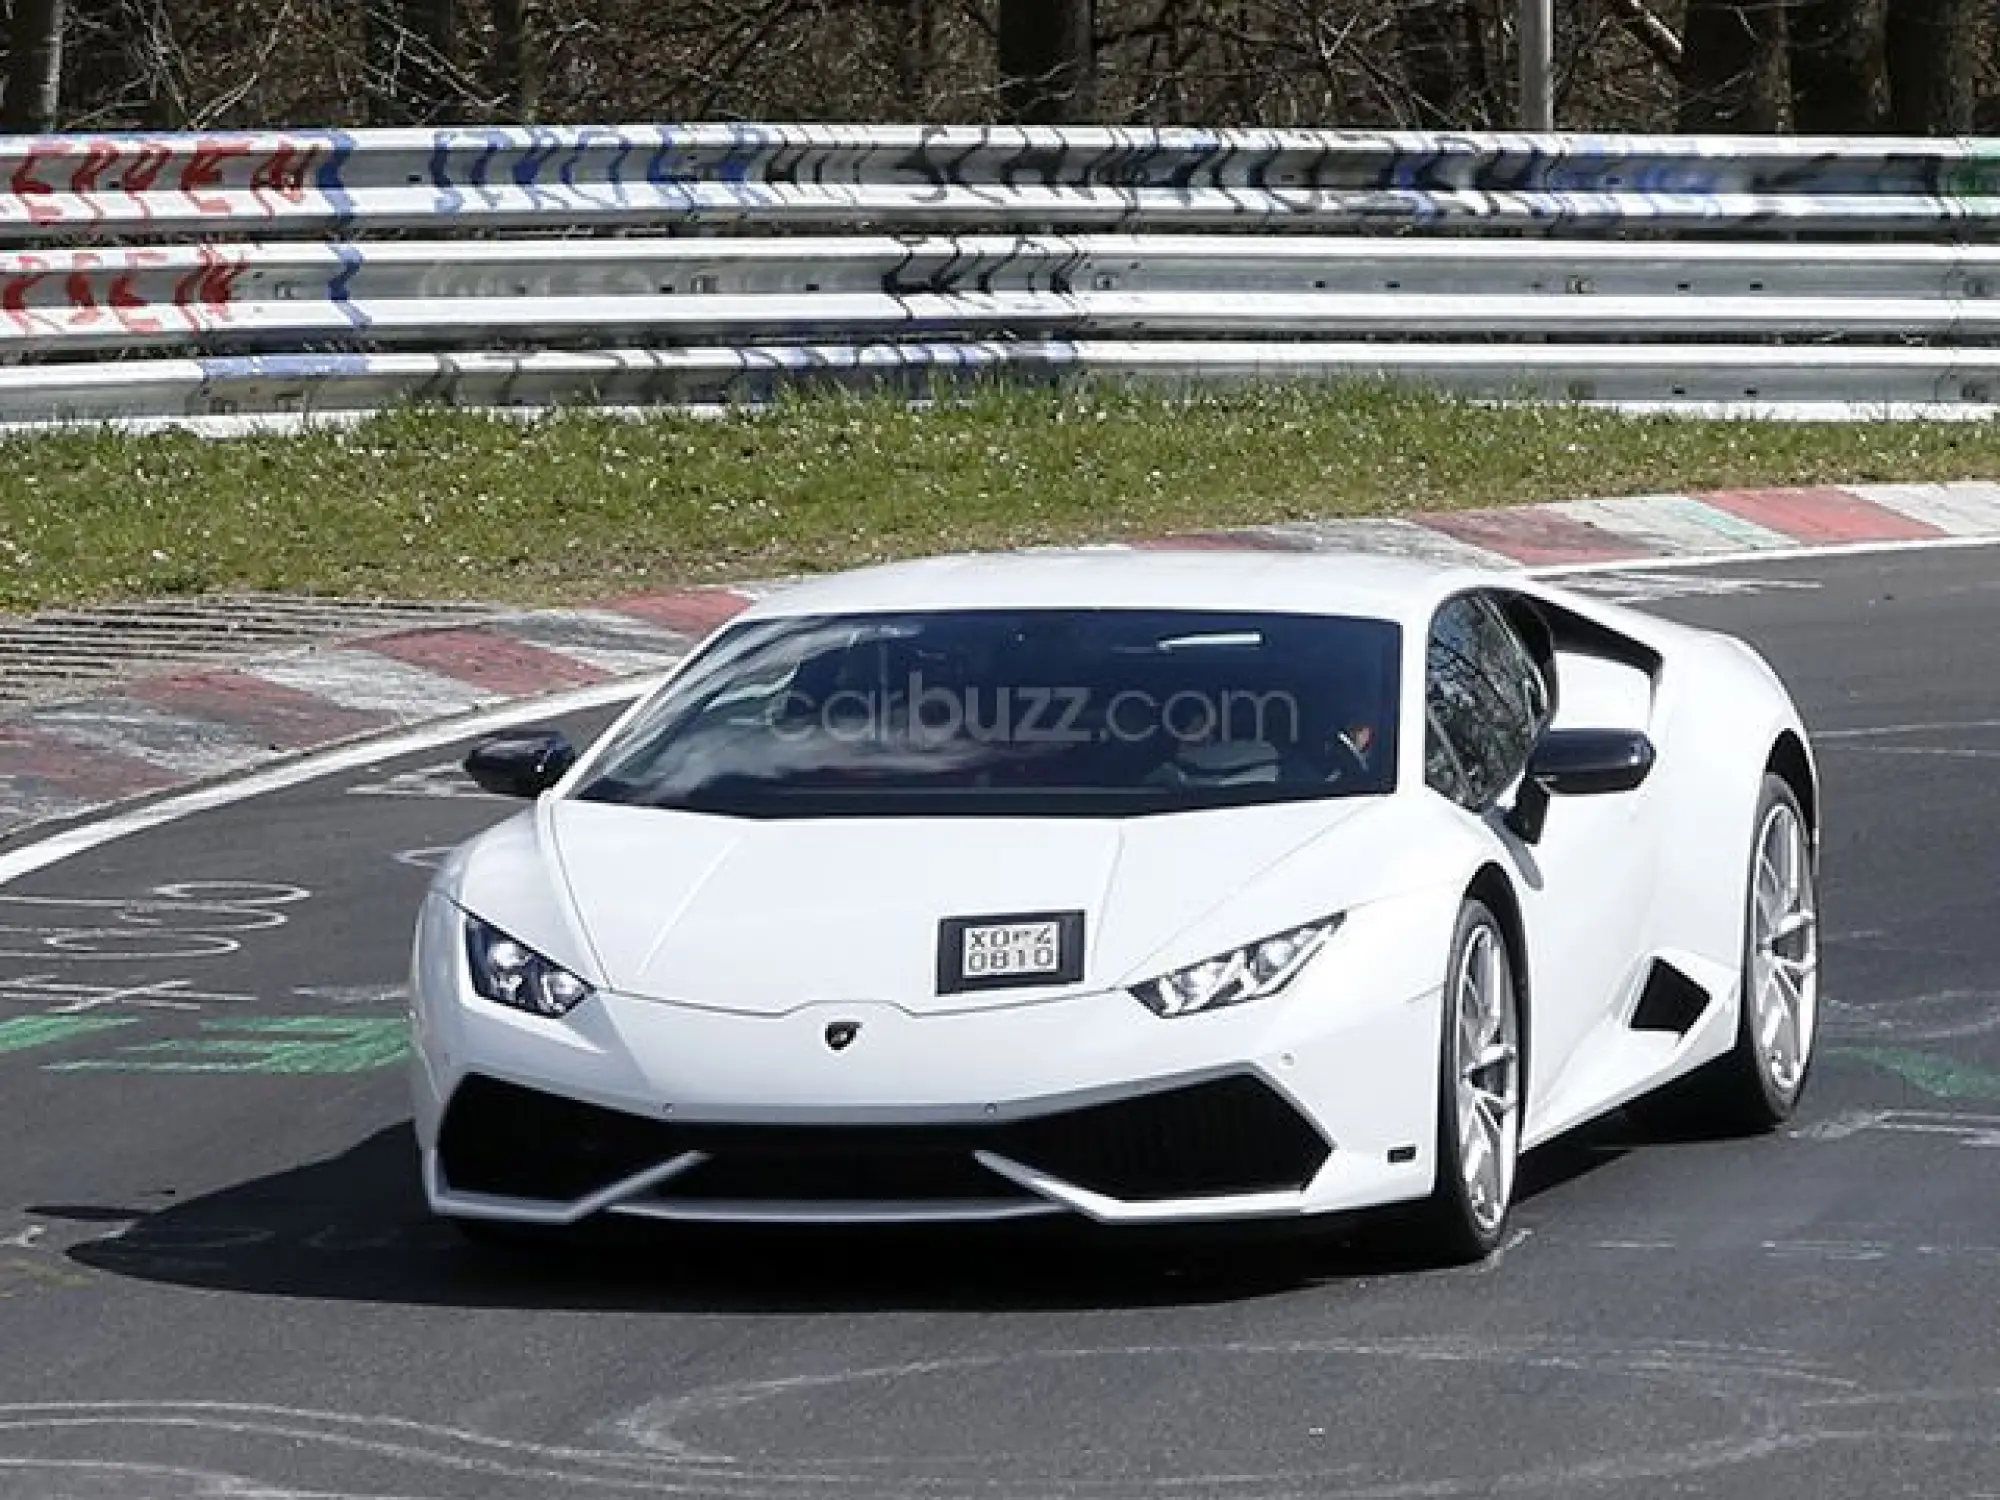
(1226, 1136)
(513, 1142)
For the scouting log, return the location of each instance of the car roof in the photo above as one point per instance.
(1368, 585)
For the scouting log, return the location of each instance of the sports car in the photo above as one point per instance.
(1135, 887)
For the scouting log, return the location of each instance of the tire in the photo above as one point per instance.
(1757, 1084)
(1741, 1092)
(1479, 1103)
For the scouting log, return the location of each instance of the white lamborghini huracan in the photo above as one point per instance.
(1141, 887)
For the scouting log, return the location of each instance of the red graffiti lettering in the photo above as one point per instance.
(218, 285)
(33, 192)
(78, 288)
(33, 270)
(139, 179)
(283, 174)
(204, 294)
(134, 312)
(204, 170)
(84, 180)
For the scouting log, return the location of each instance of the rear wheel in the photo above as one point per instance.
(1479, 1096)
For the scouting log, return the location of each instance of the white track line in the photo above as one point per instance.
(74, 841)
(1762, 555)
(1877, 731)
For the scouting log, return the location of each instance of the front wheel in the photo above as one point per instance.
(1479, 1096)
(1757, 1084)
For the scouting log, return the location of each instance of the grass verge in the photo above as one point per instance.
(442, 504)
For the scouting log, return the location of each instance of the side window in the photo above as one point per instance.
(1442, 772)
(1523, 669)
(1484, 699)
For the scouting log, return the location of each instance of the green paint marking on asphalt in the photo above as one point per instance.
(1940, 1077)
(19, 1033)
(265, 1045)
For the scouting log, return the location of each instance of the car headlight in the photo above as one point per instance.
(511, 973)
(1247, 973)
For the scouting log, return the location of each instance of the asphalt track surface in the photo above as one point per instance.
(217, 1278)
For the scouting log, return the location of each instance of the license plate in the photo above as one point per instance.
(976, 953)
(1014, 948)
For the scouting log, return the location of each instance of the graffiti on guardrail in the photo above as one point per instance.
(1974, 175)
(335, 322)
(822, 173)
(70, 181)
(141, 290)
(589, 167)
(223, 384)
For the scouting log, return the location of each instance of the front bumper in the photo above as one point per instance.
(1316, 1101)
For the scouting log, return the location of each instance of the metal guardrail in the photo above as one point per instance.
(276, 275)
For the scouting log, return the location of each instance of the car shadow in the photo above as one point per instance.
(1548, 1169)
(355, 1227)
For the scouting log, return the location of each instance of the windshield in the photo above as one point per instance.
(1018, 713)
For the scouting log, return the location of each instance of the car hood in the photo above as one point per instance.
(767, 916)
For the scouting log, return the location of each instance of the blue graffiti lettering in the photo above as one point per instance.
(543, 145)
(331, 178)
(339, 287)
(492, 144)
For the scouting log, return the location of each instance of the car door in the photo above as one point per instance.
(1583, 884)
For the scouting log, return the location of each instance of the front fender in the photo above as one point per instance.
(1412, 853)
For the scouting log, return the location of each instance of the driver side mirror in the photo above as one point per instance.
(523, 763)
(1577, 763)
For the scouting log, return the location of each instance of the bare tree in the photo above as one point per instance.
(120, 65)
(1048, 61)
(1483, 55)
(517, 64)
(1429, 34)
(1733, 66)
(1928, 48)
(152, 58)
(34, 66)
(1652, 33)
(1836, 66)
(410, 47)
(916, 52)
(1443, 45)
(1648, 65)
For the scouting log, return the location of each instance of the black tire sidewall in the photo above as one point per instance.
(1451, 1210)
(1776, 791)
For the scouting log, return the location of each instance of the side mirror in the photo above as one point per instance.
(1577, 763)
(524, 763)
(1587, 762)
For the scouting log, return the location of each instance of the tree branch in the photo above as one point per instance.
(1655, 35)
